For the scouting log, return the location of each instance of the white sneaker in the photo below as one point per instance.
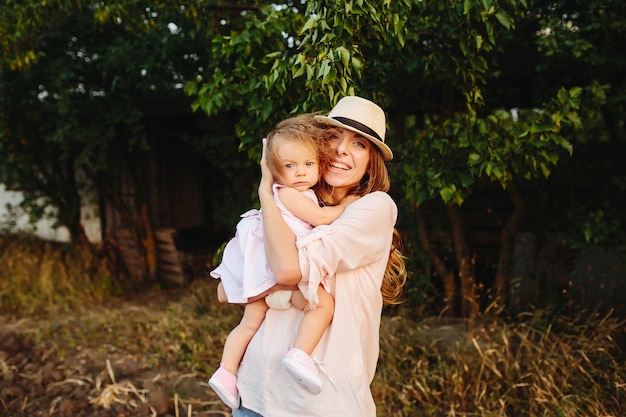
(301, 366)
(225, 386)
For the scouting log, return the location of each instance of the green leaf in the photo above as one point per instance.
(487, 4)
(447, 193)
(474, 159)
(479, 42)
(297, 71)
(344, 54)
(467, 6)
(504, 19)
(356, 64)
(308, 25)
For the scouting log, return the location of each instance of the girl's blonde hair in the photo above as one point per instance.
(376, 179)
(304, 129)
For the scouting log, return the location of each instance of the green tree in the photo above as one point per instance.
(479, 94)
(438, 68)
(78, 82)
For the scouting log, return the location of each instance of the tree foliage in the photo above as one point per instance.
(79, 80)
(479, 94)
(458, 119)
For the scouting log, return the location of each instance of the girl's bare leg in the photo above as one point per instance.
(221, 294)
(238, 339)
(315, 321)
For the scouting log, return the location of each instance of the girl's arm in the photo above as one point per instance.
(279, 240)
(304, 208)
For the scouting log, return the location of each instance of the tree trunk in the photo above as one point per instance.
(78, 234)
(445, 274)
(465, 264)
(507, 244)
(69, 204)
(149, 243)
(79, 237)
(133, 216)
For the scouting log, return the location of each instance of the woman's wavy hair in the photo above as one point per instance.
(376, 179)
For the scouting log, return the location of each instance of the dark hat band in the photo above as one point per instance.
(360, 126)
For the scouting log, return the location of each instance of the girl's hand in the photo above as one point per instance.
(348, 200)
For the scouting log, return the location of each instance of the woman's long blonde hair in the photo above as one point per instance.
(376, 179)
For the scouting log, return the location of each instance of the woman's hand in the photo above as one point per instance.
(278, 238)
(276, 287)
(267, 179)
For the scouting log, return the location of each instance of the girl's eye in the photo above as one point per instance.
(289, 166)
(310, 164)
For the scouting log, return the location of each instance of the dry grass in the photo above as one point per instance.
(39, 276)
(536, 364)
(533, 365)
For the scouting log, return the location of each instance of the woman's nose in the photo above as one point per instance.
(341, 147)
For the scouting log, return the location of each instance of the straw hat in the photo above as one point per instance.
(361, 116)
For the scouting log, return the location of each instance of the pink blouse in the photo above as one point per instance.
(352, 252)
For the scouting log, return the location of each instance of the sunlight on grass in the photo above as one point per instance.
(535, 364)
(39, 276)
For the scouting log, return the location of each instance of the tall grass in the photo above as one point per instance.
(536, 364)
(539, 363)
(38, 276)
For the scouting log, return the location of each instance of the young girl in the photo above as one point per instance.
(297, 153)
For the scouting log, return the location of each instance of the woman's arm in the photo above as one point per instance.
(276, 287)
(279, 240)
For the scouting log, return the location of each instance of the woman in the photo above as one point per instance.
(296, 154)
(356, 253)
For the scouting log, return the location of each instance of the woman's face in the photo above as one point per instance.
(352, 154)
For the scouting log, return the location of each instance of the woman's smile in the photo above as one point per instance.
(339, 165)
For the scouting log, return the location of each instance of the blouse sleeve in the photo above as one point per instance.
(360, 236)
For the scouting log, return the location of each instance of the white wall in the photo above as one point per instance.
(43, 228)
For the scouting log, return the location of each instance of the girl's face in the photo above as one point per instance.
(352, 153)
(298, 163)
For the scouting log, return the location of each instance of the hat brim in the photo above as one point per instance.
(384, 149)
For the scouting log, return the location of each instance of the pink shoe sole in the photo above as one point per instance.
(301, 367)
(225, 386)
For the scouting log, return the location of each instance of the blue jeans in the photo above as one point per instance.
(244, 412)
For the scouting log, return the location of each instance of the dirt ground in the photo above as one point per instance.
(80, 378)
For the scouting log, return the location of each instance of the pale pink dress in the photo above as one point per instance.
(244, 270)
(353, 252)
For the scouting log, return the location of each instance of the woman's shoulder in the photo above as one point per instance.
(378, 197)
(377, 201)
